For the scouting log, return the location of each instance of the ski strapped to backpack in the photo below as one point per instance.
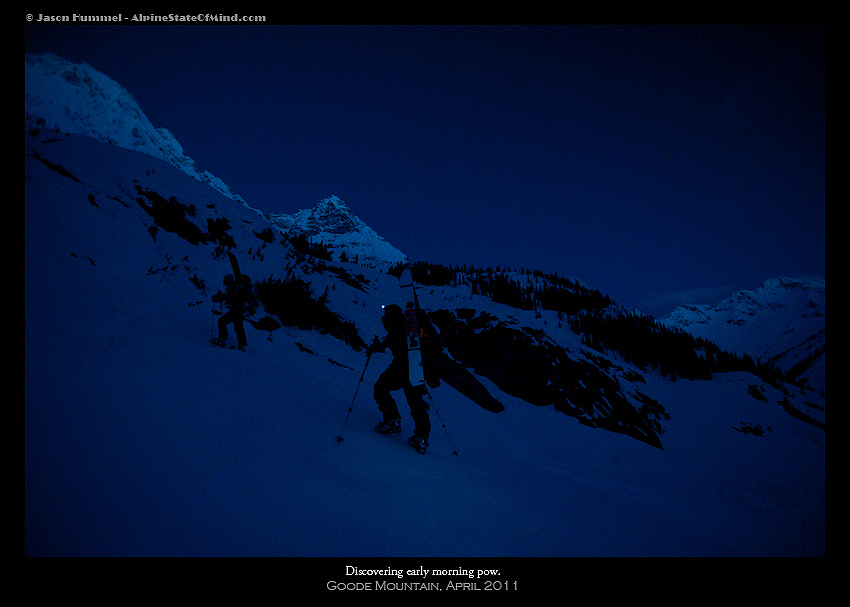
(422, 348)
(234, 263)
(411, 323)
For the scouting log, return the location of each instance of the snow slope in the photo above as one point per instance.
(75, 98)
(141, 439)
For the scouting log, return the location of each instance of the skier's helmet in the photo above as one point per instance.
(392, 315)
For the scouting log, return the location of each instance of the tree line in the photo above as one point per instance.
(603, 326)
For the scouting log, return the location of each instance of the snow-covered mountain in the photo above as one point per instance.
(558, 430)
(345, 235)
(782, 323)
(75, 98)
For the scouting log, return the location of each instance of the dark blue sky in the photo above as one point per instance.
(658, 164)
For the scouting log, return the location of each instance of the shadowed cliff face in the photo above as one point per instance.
(528, 365)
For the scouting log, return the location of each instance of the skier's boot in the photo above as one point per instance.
(419, 443)
(391, 427)
(221, 343)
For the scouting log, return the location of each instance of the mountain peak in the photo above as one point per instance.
(333, 216)
(333, 201)
(332, 222)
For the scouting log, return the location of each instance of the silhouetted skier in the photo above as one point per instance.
(240, 301)
(396, 377)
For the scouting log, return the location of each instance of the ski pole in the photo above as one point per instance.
(437, 411)
(339, 438)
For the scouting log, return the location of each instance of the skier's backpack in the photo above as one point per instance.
(245, 294)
